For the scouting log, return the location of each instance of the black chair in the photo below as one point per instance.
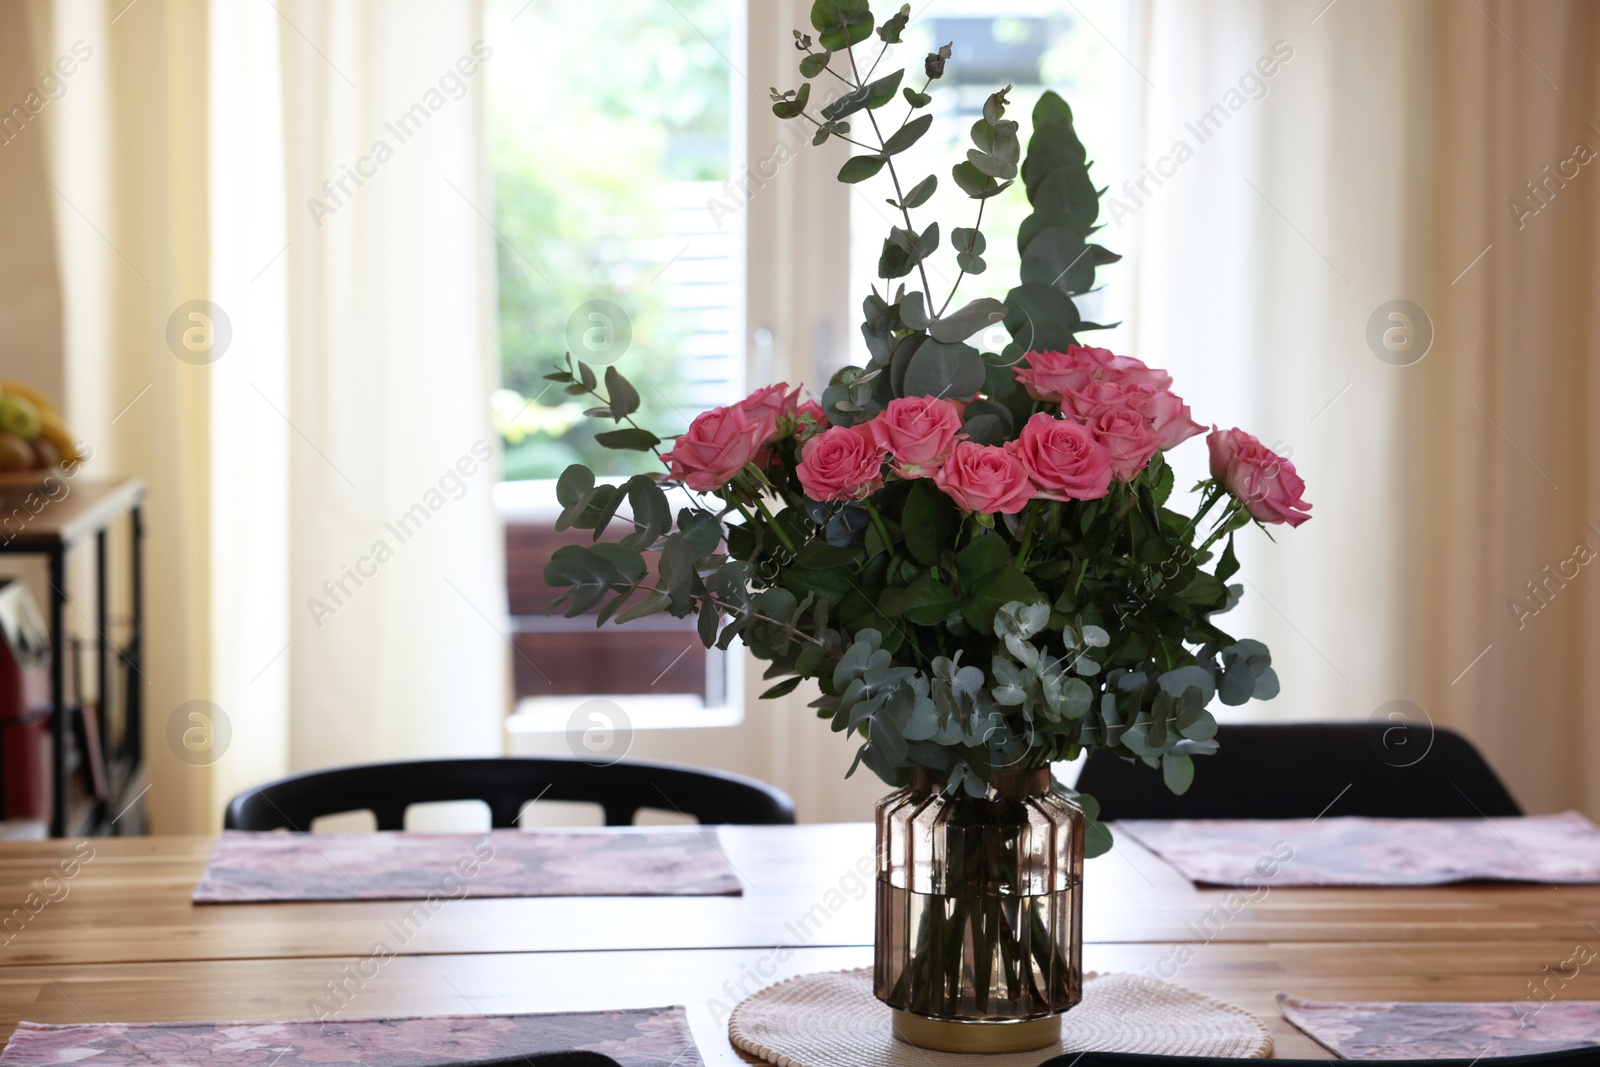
(1571, 1057)
(507, 784)
(1300, 771)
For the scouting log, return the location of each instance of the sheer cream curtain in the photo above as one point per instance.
(1380, 161)
(324, 562)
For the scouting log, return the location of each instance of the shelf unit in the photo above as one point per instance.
(37, 522)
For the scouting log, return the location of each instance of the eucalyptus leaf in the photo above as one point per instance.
(907, 135)
(974, 317)
(951, 371)
(920, 192)
(860, 168)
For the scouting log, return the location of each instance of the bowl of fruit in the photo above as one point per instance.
(34, 441)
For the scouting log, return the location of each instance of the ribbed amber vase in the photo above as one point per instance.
(979, 943)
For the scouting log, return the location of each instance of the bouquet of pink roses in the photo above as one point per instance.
(970, 553)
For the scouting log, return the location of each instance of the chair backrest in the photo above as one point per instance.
(1301, 770)
(506, 785)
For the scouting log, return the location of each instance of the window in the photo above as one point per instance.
(615, 252)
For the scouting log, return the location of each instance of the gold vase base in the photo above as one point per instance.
(980, 1036)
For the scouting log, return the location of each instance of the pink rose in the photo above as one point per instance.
(1125, 370)
(774, 402)
(1167, 413)
(841, 463)
(1127, 435)
(918, 432)
(718, 445)
(1063, 459)
(1263, 480)
(985, 478)
(1095, 397)
(1051, 375)
(809, 420)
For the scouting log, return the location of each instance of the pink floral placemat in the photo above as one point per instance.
(1564, 849)
(1381, 1030)
(648, 1037)
(250, 867)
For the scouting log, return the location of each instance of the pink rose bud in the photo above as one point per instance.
(918, 432)
(1064, 459)
(1127, 435)
(718, 445)
(1265, 482)
(985, 478)
(841, 463)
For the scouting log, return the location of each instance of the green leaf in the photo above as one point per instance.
(950, 370)
(882, 91)
(933, 605)
(999, 378)
(916, 99)
(701, 529)
(893, 262)
(929, 522)
(983, 555)
(1070, 192)
(872, 95)
(574, 482)
(841, 23)
(601, 509)
(783, 688)
(629, 438)
(1203, 591)
(1228, 565)
(652, 515)
(912, 311)
(678, 573)
(968, 240)
(590, 575)
(1041, 317)
(624, 397)
(651, 604)
(706, 626)
(907, 135)
(815, 64)
(975, 183)
(1178, 772)
(1057, 256)
(793, 108)
(860, 168)
(970, 263)
(995, 590)
(627, 561)
(920, 192)
(985, 429)
(959, 325)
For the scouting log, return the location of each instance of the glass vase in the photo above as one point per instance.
(979, 944)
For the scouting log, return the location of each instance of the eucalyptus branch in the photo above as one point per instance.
(881, 53)
(606, 401)
(842, 137)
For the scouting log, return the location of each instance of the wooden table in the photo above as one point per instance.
(125, 943)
